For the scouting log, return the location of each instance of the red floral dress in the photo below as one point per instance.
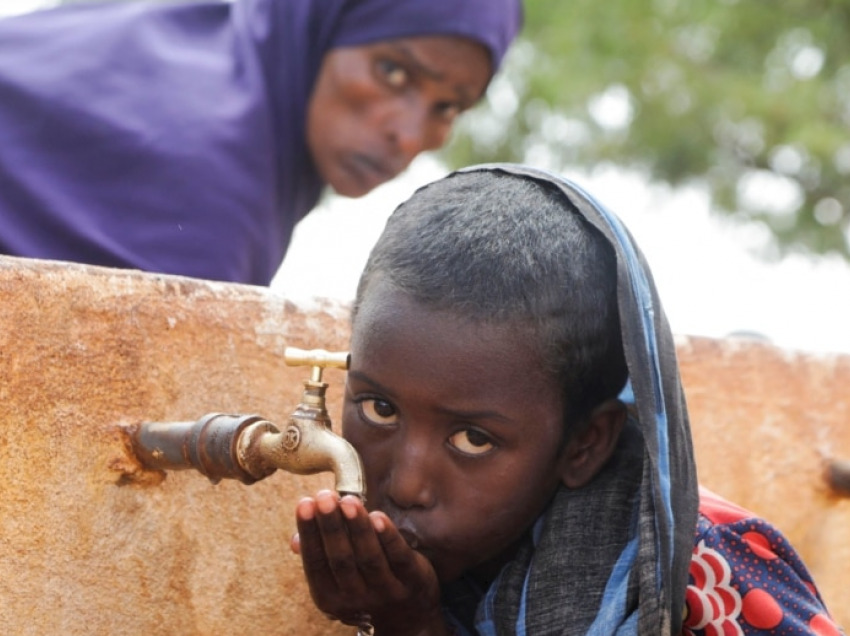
(746, 579)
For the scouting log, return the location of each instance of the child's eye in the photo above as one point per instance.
(393, 74)
(378, 412)
(471, 442)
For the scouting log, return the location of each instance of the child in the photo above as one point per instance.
(502, 317)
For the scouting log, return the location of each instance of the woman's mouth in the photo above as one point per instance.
(369, 171)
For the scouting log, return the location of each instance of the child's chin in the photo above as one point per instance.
(433, 559)
(446, 575)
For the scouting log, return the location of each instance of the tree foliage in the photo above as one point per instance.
(749, 97)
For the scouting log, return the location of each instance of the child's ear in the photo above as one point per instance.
(585, 455)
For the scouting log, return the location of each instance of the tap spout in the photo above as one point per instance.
(305, 447)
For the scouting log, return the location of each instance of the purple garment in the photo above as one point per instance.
(170, 137)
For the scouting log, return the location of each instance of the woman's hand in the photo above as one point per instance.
(360, 569)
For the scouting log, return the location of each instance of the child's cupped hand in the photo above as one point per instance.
(361, 570)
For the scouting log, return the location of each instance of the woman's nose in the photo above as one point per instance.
(411, 483)
(414, 131)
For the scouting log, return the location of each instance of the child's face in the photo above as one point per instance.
(459, 431)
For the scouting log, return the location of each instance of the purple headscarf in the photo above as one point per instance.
(170, 137)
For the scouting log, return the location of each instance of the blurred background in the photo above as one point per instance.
(718, 130)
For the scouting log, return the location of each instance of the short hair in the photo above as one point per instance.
(499, 248)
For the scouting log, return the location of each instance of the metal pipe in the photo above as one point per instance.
(207, 445)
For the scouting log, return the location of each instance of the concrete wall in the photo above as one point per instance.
(766, 422)
(91, 544)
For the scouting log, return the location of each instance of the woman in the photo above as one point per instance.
(190, 138)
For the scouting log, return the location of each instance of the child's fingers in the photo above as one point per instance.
(316, 567)
(406, 564)
(355, 561)
(369, 554)
(338, 548)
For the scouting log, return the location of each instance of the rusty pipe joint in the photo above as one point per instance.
(208, 445)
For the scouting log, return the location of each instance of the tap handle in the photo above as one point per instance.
(318, 359)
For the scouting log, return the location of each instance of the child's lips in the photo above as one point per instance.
(415, 542)
(411, 539)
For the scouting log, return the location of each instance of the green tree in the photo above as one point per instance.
(749, 97)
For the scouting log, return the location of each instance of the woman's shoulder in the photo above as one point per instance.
(746, 578)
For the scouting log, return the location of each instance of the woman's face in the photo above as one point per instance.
(375, 107)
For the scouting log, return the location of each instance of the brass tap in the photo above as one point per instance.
(250, 448)
(308, 444)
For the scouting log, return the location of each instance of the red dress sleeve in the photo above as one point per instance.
(745, 579)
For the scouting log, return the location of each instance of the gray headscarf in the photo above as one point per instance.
(613, 557)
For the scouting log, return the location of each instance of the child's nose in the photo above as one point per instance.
(411, 483)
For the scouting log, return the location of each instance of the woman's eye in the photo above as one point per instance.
(378, 412)
(471, 442)
(449, 111)
(393, 74)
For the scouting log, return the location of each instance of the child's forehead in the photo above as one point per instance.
(385, 307)
(393, 318)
